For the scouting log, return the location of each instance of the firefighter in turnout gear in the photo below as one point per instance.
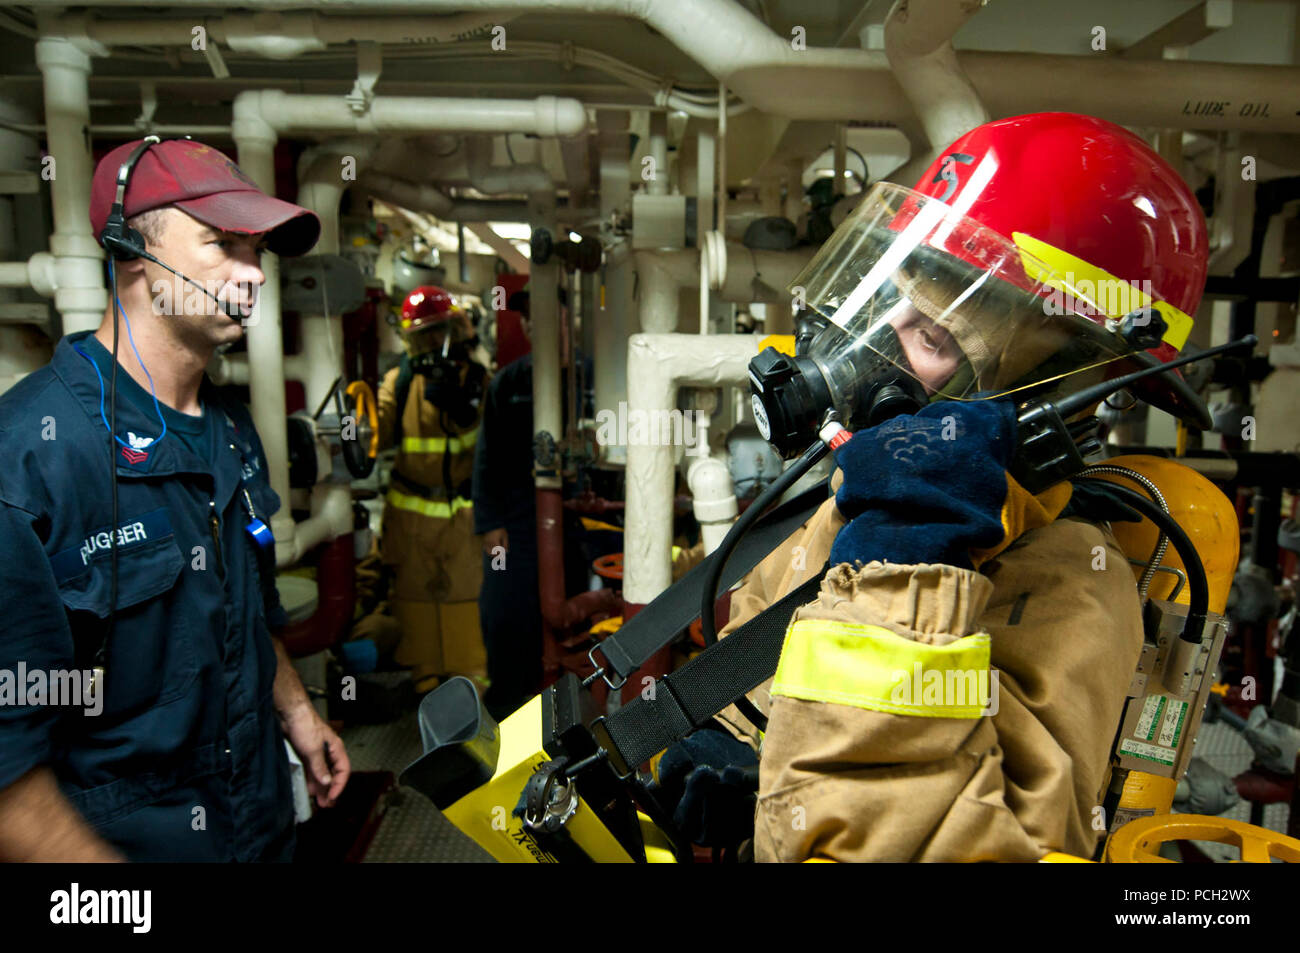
(429, 409)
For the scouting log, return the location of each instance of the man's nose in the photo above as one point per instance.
(248, 271)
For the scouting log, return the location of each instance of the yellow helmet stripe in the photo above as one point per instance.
(1097, 288)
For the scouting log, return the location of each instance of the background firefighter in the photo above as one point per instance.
(429, 408)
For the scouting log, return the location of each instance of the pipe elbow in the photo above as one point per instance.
(711, 488)
(558, 116)
(250, 112)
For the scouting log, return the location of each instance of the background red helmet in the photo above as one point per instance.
(426, 306)
(1093, 201)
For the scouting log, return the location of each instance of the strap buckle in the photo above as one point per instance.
(600, 672)
(550, 798)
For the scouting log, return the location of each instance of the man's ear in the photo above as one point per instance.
(127, 270)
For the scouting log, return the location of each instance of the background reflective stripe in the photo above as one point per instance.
(436, 508)
(865, 666)
(440, 444)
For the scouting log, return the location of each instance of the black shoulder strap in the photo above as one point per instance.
(663, 619)
(685, 699)
(404, 376)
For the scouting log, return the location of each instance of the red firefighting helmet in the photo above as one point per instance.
(427, 309)
(1015, 241)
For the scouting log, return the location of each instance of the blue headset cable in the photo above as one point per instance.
(152, 393)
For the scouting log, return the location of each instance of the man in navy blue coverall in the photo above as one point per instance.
(179, 754)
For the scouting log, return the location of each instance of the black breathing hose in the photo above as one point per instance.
(1197, 584)
(718, 560)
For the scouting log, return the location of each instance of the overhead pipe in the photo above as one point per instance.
(766, 71)
(295, 112)
(918, 45)
(422, 197)
(282, 35)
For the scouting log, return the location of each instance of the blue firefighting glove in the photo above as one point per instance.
(933, 487)
(703, 779)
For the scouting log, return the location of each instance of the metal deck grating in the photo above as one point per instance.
(413, 830)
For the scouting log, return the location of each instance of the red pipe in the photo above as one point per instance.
(558, 613)
(336, 601)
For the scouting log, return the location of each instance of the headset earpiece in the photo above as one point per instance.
(122, 242)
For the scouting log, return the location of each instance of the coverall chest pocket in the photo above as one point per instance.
(150, 656)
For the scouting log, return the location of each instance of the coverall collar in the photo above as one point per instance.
(156, 458)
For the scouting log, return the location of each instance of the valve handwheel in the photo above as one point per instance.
(609, 567)
(360, 450)
(1138, 841)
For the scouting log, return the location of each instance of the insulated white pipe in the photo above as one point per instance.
(495, 179)
(320, 189)
(409, 195)
(918, 44)
(662, 273)
(233, 369)
(283, 35)
(420, 197)
(331, 506)
(13, 274)
(544, 318)
(657, 149)
(79, 292)
(612, 309)
(657, 365)
(704, 172)
(255, 142)
(292, 112)
(658, 291)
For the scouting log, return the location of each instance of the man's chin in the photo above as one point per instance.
(225, 328)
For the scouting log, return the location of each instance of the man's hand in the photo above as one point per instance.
(494, 538)
(38, 823)
(311, 737)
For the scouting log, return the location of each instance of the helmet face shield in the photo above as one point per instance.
(428, 338)
(966, 313)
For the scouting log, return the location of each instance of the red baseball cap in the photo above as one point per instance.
(205, 183)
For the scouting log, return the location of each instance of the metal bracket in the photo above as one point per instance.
(370, 63)
(148, 106)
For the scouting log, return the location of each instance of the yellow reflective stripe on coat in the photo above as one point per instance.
(440, 444)
(868, 666)
(437, 508)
